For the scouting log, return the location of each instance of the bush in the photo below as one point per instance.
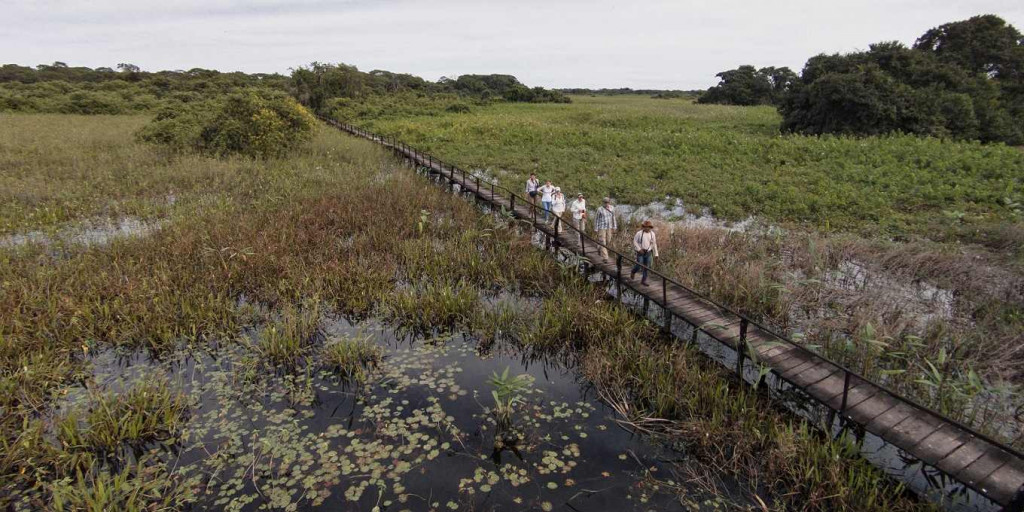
(252, 124)
(457, 108)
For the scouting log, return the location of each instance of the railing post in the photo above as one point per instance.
(558, 225)
(618, 276)
(846, 393)
(741, 348)
(512, 203)
(664, 305)
(1017, 503)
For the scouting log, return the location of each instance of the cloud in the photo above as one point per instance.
(657, 44)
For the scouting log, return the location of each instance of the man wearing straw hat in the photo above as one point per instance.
(646, 246)
(605, 226)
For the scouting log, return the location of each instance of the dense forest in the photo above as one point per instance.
(962, 80)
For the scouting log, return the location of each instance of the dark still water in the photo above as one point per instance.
(420, 434)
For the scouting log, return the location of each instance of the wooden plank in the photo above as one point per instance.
(911, 431)
(962, 457)
(814, 374)
(827, 388)
(1004, 482)
(937, 445)
(982, 467)
(800, 362)
(890, 418)
(793, 360)
(871, 408)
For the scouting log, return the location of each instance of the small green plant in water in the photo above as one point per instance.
(351, 358)
(509, 393)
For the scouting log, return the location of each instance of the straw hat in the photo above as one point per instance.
(647, 224)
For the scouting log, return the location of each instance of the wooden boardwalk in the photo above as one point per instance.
(982, 464)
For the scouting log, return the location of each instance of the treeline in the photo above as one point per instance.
(59, 88)
(337, 88)
(324, 87)
(962, 80)
(654, 93)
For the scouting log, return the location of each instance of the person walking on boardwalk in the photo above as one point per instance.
(645, 243)
(605, 226)
(558, 205)
(532, 185)
(579, 212)
(545, 191)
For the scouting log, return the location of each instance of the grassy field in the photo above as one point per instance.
(272, 247)
(733, 161)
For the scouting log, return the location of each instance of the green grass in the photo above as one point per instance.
(733, 161)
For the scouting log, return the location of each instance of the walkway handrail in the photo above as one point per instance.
(495, 185)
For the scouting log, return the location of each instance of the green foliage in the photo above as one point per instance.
(961, 80)
(148, 411)
(320, 85)
(747, 85)
(245, 123)
(509, 393)
(732, 161)
(58, 88)
(351, 357)
(398, 105)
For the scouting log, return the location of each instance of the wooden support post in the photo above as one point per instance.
(1017, 503)
(647, 304)
(741, 348)
(664, 306)
(618, 276)
(512, 202)
(846, 394)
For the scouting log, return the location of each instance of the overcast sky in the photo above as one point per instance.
(596, 43)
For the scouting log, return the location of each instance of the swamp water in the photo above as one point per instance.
(419, 435)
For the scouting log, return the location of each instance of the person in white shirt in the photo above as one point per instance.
(579, 212)
(558, 204)
(532, 185)
(546, 190)
(645, 243)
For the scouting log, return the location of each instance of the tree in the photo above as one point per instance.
(747, 85)
(128, 68)
(959, 81)
(982, 44)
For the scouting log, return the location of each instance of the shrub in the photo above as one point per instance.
(457, 108)
(253, 124)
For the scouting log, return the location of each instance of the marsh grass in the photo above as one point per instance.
(352, 358)
(319, 234)
(150, 411)
(139, 488)
(287, 339)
